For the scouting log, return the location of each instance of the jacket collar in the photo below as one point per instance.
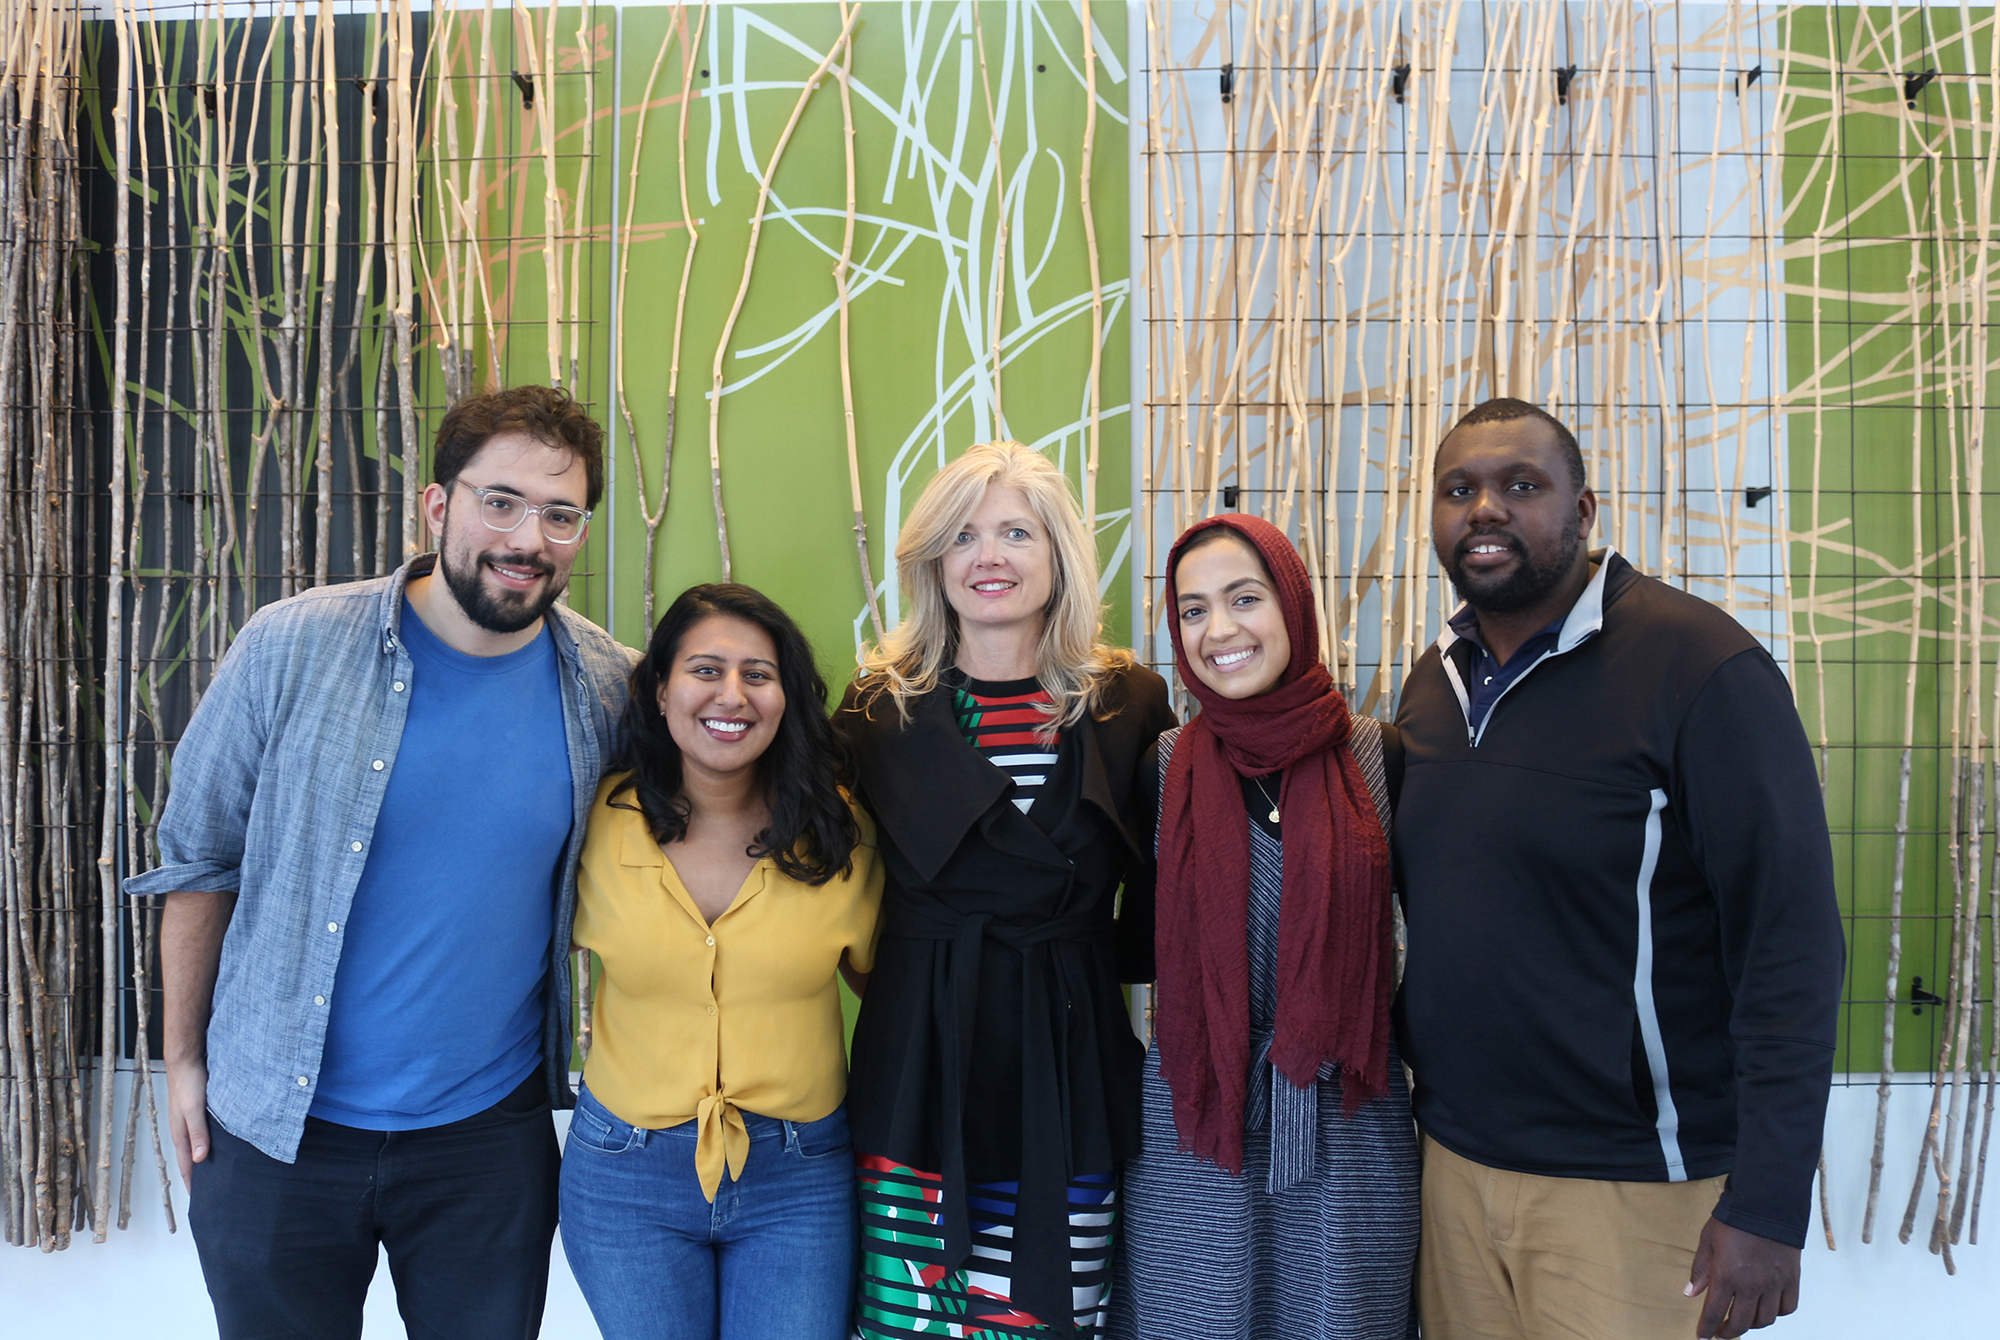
(929, 788)
(1586, 616)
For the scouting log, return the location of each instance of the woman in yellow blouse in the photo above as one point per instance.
(707, 1186)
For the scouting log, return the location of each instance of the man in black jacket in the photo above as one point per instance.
(1625, 953)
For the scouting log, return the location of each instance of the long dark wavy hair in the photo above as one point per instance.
(812, 833)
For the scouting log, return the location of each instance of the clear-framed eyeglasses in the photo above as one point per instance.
(504, 511)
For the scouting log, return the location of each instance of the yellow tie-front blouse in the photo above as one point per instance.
(693, 1021)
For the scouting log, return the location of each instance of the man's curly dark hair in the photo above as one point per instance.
(546, 413)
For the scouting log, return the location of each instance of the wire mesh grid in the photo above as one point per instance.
(1358, 223)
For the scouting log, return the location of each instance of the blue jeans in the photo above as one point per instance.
(774, 1258)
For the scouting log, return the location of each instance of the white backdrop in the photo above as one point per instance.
(147, 1283)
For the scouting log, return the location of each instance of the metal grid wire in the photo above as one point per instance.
(1737, 248)
(258, 341)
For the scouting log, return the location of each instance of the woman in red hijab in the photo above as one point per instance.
(1277, 1194)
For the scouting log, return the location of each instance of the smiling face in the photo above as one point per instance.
(1232, 626)
(1507, 518)
(721, 696)
(505, 580)
(1000, 567)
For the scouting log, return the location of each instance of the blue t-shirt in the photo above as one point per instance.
(436, 1010)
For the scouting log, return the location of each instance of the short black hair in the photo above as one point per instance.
(1506, 409)
(813, 832)
(546, 413)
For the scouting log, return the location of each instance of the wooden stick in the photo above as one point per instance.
(743, 286)
(1096, 274)
(998, 295)
(579, 229)
(844, 73)
(651, 516)
(541, 70)
(329, 263)
(114, 601)
(403, 207)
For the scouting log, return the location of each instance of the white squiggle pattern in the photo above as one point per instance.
(933, 120)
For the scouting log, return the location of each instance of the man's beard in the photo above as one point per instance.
(1528, 584)
(497, 612)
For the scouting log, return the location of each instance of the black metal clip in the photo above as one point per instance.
(1231, 494)
(1228, 82)
(208, 98)
(1745, 78)
(1755, 494)
(1913, 84)
(527, 87)
(1920, 997)
(1564, 74)
(1399, 81)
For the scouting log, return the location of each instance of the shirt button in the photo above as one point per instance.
(399, 686)
(711, 939)
(377, 765)
(711, 1010)
(333, 926)
(1489, 680)
(319, 1000)
(356, 846)
(303, 1081)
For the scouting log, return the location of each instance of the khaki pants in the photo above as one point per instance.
(1513, 1256)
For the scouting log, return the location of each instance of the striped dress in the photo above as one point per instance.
(1203, 1253)
(905, 1290)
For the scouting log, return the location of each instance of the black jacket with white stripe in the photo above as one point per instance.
(1625, 953)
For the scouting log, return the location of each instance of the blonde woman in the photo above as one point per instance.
(995, 1085)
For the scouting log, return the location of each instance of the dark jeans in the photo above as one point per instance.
(466, 1211)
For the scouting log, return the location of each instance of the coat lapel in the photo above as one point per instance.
(930, 788)
(1096, 780)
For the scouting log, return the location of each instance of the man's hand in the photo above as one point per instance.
(1750, 1281)
(191, 932)
(187, 1115)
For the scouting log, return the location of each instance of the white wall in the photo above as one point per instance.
(147, 1282)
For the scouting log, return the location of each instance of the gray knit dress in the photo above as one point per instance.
(1318, 1237)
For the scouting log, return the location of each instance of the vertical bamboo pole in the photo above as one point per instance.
(579, 229)
(650, 516)
(1096, 272)
(323, 286)
(402, 160)
(743, 286)
(844, 73)
(997, 297)
(126, 98)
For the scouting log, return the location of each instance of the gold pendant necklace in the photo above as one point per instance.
(1267, 796)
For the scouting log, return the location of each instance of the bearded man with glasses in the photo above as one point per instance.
(370, 854)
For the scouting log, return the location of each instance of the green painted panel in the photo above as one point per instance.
(929, 205)
(1876, 312)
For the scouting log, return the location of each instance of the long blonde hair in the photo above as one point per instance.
(1071, 660)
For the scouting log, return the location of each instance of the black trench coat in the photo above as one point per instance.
(993, 1042)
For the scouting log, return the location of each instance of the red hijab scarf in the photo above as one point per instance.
(1334, 941)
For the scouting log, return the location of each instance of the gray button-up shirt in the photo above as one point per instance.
(277, 785)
